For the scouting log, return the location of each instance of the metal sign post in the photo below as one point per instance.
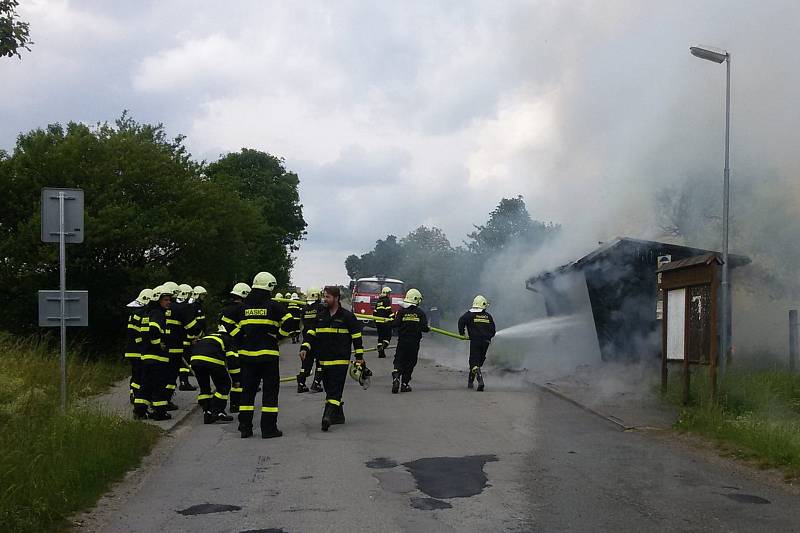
(57, 216)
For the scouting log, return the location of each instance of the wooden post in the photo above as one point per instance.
(664, 370)
(686, 314)
(794, 340)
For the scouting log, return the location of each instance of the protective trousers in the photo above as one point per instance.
(308, 367)
(236, 391)
(136, 378)
(154, 392)
(384, 335)
(252, 375)
(206, 374)
(333, 378)
(405, 359)
(175, 362)
(477, 352)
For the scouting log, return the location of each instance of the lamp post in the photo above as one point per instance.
(718, 56)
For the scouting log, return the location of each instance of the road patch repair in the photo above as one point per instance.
(208, 508)
(438, 478)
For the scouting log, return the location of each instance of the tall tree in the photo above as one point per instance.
(14, 33)
(509, 221)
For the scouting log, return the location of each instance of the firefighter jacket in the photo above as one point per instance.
(133, 342)
(410, 322)
(311, 313)
(155, 348)
(260, 322)
(383, 307)
(178, 316)
(330, 340)
(197, 324)
(227, 319)
(296, 310)
(213, 350)
(479, 325)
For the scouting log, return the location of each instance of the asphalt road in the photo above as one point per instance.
(440, 458)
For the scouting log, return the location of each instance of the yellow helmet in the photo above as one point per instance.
(160, 291)
(386, 291)
(241, 290)
(145, 296)
(171, 287)
(480, 302)
(184, 291)
(413, 297)
(360, 373)
(313, 294)
(199, 292)
(264, 280)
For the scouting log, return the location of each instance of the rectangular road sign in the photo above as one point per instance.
(77, 308)
(73, 215)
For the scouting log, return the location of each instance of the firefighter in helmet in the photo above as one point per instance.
(383, 309)
(311, 312)
(227, 321)
(479, 325)
(411, 322)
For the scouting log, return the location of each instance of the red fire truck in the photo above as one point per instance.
(366, 292)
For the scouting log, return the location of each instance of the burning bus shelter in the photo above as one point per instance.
(617, 284)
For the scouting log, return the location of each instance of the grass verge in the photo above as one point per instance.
(54, 463)
(756, 416)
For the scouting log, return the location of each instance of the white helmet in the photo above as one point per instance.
(413, 297)
(199, 292)
(279, 296)
(480, 303)
(171, 287)
(184, 291)
(313, 294)
(295, 296)
(264, 280)
(386, 290)
(241, 290)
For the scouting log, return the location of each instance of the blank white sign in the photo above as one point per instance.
(676, 322)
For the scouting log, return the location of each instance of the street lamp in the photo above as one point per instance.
(718, 56)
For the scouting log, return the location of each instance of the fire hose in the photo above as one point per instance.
(434, 330)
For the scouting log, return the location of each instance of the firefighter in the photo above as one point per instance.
(196, 302)
(227, 321)
(296, 309)
(410, 322)
(173, 339)
(383, 309)
(133, 347)
(155, 359)
(184, 309)
(278, 296)
(480, 327)
(310, 314)
(335, 331)
(260, 323)
(210, 357)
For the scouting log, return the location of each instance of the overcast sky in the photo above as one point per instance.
(397, 114)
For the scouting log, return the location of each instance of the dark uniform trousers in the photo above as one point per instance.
(155, 377)
(405, 359)
(205, 375)
(253, 373)
(384, 334)
(333, 379)
(477, 352)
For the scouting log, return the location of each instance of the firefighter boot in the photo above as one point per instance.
(208, 417)
(327, 416)
(171, 406)
(395, 382)
(471, 378)
(224, 417)
(301, 383)
(316, 386)
(245, 432)
(338, 414)
(405, 387)
(479, 378)
(381, 352)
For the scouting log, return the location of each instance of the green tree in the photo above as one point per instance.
(509, 221)
(151, 215)
(263, 179)
(14, 33)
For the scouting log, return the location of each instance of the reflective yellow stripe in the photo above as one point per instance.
(176, 350)
(131, 326)
(332, 330)
(268, 409)
(208, 359)
(141, 400)
(135, 385)
(191, 324)
(286, 317)
(334, 402)
(228, 320)
(173, 321)
(133, 355)
(159, 403)
(185, 370)
(246, 407)
(157, 326)
(284, 333)
(235, 371)
(312, 332)
(171, 386)
(152, 357)
(259, 321)
(204, 397)
(355, 335)
(220, 396)
(236, 389)
(359, 350)
(335, 362)
(256, 353)
(306, 345)
(219, 341)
